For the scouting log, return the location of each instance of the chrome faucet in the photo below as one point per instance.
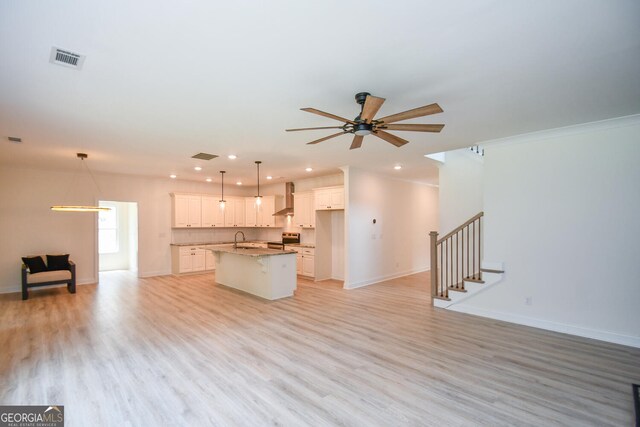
(235, 239)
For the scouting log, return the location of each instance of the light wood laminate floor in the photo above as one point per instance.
(184, 351)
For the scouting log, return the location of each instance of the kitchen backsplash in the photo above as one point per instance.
(206, 235)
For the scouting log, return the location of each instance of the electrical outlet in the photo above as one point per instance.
(528, 300)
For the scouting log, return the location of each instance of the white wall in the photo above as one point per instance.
(28, 226)
(398, 244)
(461, 188)
(337, 245)
(562, 210)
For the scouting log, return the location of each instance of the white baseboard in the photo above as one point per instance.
(154, 273)
(383, 278)
(607, 336)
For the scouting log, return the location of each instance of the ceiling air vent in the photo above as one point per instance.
(15, 139)
(204, 156)
(66, 58)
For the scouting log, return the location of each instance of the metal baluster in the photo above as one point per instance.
(441, 269)
(446, 266)
(467, 227)
(480, 248)
(473, 249)
(457, 261)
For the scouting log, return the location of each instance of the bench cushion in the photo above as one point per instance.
(48, 276)
(35, 264)
(57, 262)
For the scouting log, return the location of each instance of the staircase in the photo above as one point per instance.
(457, 269)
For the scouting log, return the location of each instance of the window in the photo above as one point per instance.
(108, 230)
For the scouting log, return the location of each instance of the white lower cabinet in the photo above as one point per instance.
(190, 259)
(305, 260)
(299, 264)
(308, 262)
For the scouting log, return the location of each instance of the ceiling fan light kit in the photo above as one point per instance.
(364, 124)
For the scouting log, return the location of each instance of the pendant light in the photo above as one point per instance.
(81, 208)
(222, 200)
(258, 197)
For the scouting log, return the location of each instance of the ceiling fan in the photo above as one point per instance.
(364, 124)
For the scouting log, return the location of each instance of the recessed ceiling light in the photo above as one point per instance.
(198, 168)
(397, 167)
(232, 156)
(208, 180)
(239, 183)
(308, 169)
(173, 176)
(269, 177)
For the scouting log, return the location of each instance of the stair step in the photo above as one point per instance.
(460, 288)
(473, 279)
(491, 270)
(442, 298)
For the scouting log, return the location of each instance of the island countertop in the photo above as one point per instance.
(247, 251)
(215, 243)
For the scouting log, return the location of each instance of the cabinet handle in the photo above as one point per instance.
(328, 207)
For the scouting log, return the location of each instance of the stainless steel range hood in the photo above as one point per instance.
(288, 200)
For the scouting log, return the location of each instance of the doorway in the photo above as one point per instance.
(118, 237)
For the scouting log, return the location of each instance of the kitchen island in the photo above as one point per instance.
(266, 273)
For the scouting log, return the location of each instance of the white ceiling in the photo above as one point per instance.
(165, 80)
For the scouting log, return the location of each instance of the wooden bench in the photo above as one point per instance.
(45, 278)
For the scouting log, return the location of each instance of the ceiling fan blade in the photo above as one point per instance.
(415, 128)
(392, 139)
(357, 142)
(325, 127)
(411, 114)
(371, 106)
(329, 115)
(326, 137)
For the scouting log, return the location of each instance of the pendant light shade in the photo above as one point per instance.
(258, 197)
(81, 208)
(222, 200)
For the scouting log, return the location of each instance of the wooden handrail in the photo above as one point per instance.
(457, 229)
(448, 270)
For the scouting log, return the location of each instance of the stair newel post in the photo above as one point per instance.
(434, 262)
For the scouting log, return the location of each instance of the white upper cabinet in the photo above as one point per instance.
(251, 212)
(329, 198)
(304, 215)
(209, 205)
(212, 213)
(186, 210)
(191, 210)
(265, 212)
(261, 216)
(234, 212)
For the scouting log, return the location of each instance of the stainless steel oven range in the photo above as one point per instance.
(287, 238)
